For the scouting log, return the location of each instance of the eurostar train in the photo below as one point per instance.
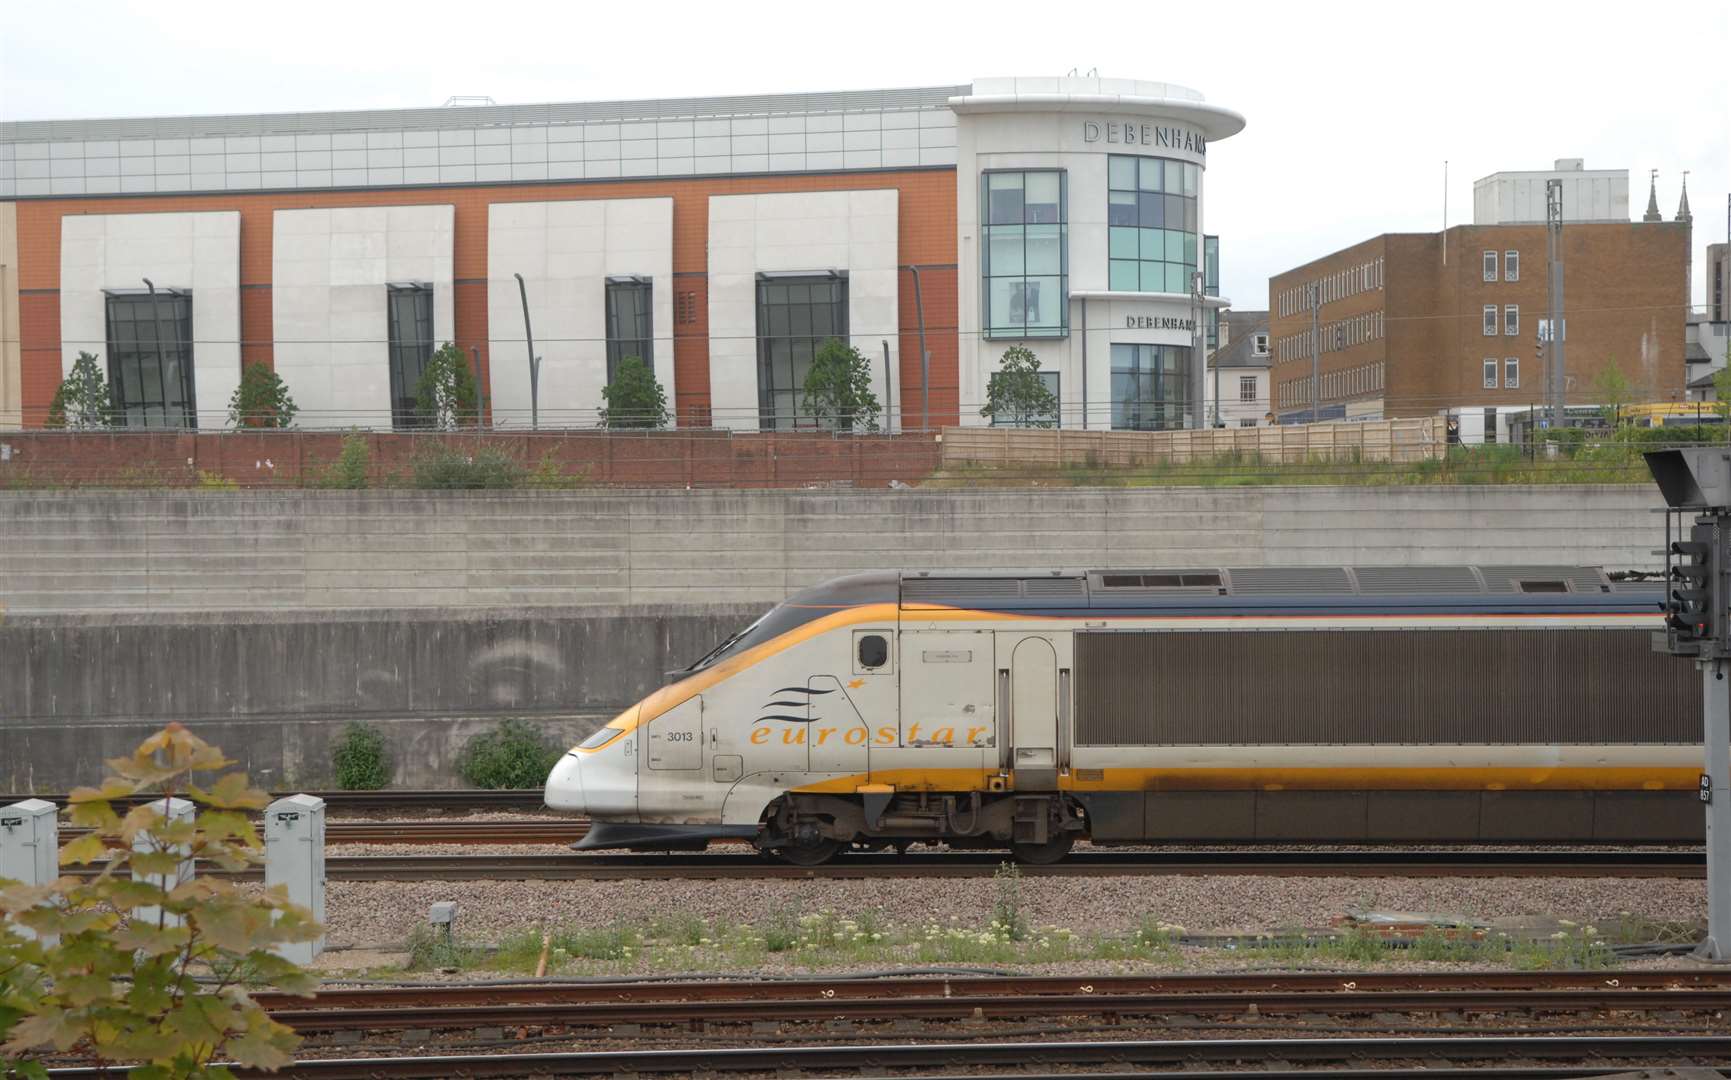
(1271, 704)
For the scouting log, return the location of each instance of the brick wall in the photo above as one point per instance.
(926, 235)
(298, 458)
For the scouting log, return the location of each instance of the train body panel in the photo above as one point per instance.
(877, 710)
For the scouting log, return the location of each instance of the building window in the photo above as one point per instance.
(411, 330)
(1490, 374)
(1048, 379)
(630, 322)
(1490, 320)
(1260, 347)
(1151, 219)
(1148, 384)
(1490, 425)
(150, 359)
(1511, 266)
(1512, 320)
(795, 315)
(1025, 268)
(1490, 266)
(1246, 388)
(1512, 373)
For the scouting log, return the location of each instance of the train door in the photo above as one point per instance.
(1033, 687)
(670, 781)
(946, 694)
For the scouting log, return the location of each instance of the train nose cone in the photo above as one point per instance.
(565, 784)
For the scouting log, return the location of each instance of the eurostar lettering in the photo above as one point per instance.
(1158, 136)
(884, 736)
(1158, 322)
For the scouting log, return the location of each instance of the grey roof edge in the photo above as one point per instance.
(477, 116)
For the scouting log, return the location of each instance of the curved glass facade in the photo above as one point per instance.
(1152, 223)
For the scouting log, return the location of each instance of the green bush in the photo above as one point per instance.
(359, 760)
(444, 468)
(350, 469)
(512, 755)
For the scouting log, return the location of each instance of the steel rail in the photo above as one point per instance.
(1246, 985)
(1362, 863)
(990, 1006)
(1024, 1056)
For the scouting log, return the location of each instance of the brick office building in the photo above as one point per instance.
(1416, 324)
(718, 239)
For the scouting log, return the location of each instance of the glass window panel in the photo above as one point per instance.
(1192, 179)
(1153, 277)
(1153, 243)
(1123, 243)
(1190, 252)
(1175, 279)
(1045, 251)
(1174, 246)
(1190, 218)
(778, 321)
(1121, 208)
(1044, 302)
(1150, 211)
(1004, 199)
(1125, 275)
(999, 291)
(1150, 179)
(1004, 250)
(774, 294)
(1041, 195)
(823, 321)
(1121, 173)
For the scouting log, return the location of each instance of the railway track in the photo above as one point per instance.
(1355, 863)
(443, 1007)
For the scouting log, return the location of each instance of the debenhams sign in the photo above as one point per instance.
(1155, 136)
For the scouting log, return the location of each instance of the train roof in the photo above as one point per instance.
(1524, 587)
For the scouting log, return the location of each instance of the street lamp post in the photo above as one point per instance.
(534, 361)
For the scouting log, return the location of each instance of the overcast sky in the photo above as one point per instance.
(1352, 108)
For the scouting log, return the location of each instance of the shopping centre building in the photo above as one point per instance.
(721, 240)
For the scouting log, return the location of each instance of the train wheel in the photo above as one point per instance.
(1044, 854)
(813, 853)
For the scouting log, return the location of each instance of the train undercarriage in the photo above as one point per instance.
(1038, 828)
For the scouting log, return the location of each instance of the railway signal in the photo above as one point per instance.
(1698, 480)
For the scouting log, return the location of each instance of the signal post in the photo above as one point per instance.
(1698, 625)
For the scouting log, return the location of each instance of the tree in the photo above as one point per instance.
(261, 400)
(146, 974)
(445, 396)
(838, 388)
(634, 399)
(83, 402)
(1017, 394)
(1612, 390)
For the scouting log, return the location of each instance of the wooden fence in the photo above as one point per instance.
(1411, 439)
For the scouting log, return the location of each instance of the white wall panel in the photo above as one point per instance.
(852, 231)
(330, 269)
(565, 251)
(200, 252)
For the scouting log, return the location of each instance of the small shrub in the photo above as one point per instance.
(549, 475)
(682, 928)
(512, 755)
(446, 397)
(261, 400)
(83, 402)
(209, 481)
(359, 760)
(634, 399)
(1008, 918)
(444, 468)
(350, 469)
(782, 932)
(600, 943)
(431, 950)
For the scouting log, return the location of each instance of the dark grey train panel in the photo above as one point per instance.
(1325, 687)
(1650, 817)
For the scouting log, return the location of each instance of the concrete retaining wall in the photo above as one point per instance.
(272, 690)
(309, 550)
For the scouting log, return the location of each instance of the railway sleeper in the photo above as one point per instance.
(809, 829)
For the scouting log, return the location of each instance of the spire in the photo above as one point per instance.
(1652, 213)
(1683, 213)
